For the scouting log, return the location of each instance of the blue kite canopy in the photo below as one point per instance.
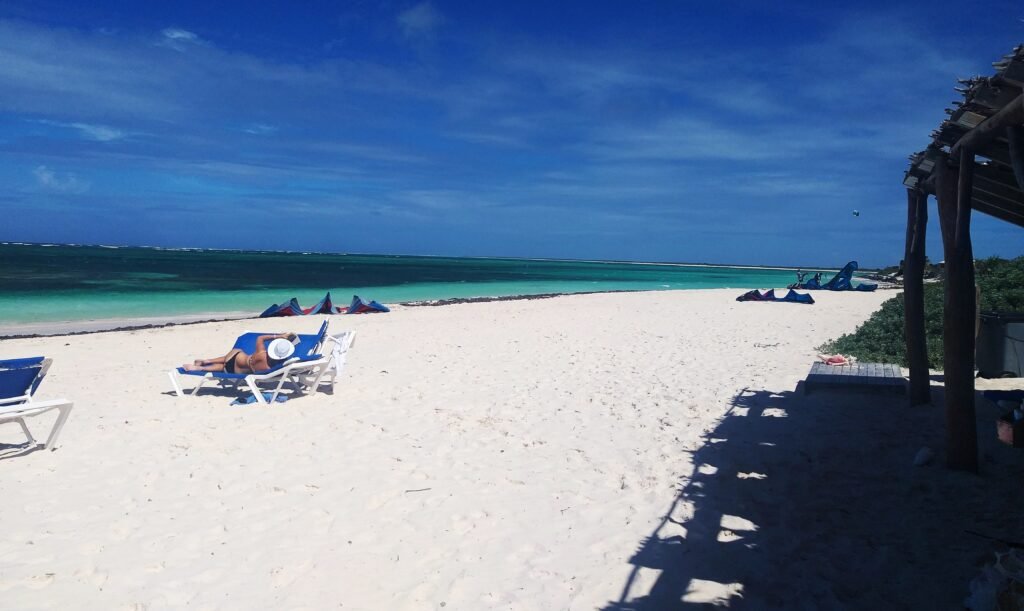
(358, 306)
(843, 281)
(769, 295)
(290, 308)
(325, 306)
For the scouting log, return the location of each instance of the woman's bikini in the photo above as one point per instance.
(229, 365)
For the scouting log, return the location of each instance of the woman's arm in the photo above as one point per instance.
(262, 340)
(260, 360)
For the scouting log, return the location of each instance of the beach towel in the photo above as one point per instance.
(250, 399)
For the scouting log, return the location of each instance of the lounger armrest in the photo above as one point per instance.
(35, 406)
(284, 371)
(16, 400)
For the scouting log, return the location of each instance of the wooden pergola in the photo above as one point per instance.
(975, 161)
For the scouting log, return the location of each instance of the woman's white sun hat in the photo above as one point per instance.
(280, 349)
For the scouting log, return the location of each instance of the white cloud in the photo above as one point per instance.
(260, 129)
(178, 39)
(100, 133)
(52, 181)
(419, 21)
(89, 131)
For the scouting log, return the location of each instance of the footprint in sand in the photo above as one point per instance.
(284, 576)
(90, 574)
(38, 582)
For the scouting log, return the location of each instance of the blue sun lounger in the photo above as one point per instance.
(19, 379)
(307, 368)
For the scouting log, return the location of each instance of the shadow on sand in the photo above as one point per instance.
(17, 450)
(800, 502)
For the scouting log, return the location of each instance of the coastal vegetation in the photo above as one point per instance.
(881, 339)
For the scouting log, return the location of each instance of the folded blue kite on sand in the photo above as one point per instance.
(358, 306)
(843, 281)
(326, 306)
(769, 295)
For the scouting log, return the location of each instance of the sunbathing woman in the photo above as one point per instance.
(237, 361)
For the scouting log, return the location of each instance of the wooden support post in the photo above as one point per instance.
(953, 192)
(913, 297)
(1015, 137)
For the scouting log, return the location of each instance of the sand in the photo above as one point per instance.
(615, 451)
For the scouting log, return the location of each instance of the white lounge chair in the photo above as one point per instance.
(19, 379)
(307, 371)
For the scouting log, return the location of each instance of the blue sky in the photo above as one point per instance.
(739, 132)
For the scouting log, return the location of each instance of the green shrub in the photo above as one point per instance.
(881, 338)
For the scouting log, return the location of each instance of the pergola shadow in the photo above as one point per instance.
(813, 502)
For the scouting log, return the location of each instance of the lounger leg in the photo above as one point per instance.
(174, 382)
(326, 370)
(202, 382)
(277, 390)
(255, 390)
(179, 391)
(65, 411)
(24, 427)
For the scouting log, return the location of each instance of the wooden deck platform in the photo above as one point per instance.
(882, 377)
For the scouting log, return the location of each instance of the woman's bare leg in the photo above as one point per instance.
(215, 364)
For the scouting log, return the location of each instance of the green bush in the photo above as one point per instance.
(881, 338)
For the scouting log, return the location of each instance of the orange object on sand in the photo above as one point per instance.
(836, 359)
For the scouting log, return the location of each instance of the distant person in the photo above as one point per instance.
(237, 361)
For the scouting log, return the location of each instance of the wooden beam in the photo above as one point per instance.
(1000, 182)
(913, 297)
(977, 138)
(997, 211)
(993, 95)
(953, 185)
(995, 192)
(1013, 74)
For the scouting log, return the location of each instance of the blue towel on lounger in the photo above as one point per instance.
(250, 398)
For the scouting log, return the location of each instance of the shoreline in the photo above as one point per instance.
(111, 325)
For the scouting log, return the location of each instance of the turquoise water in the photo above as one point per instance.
(41, 283)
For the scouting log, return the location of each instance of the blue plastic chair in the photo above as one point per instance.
(306, 367)
(19, 379)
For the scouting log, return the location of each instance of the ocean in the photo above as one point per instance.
(44, 283)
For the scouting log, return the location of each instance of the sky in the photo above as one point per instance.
(742, 132)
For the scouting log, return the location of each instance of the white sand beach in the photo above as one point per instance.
(607, 451)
